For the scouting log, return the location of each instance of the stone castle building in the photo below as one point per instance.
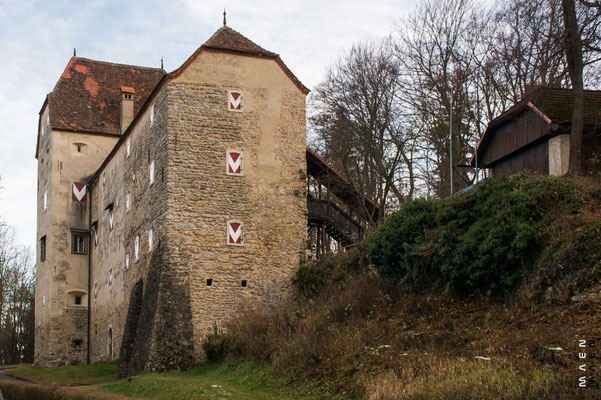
(165, 200)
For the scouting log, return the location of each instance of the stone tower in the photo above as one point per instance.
(79, 124)
(194, 208)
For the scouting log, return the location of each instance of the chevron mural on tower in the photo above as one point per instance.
(235, 101)
(79, 192)
(234, 162)
(234, 232)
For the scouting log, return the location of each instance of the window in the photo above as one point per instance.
(94, 231)
(45, 200)
(127, 261)
(151, 114)
(151, 172)
(137, 249)
(111, 217)
(110, 276)
(76, 298)
(80, 147)
(150, 240)
(209, 282)
(128, 148)
(244, 283)
(78, 243)
(127, 202)
(43, 248)
(109, 344)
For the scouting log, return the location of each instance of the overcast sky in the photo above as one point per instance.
(37, 40)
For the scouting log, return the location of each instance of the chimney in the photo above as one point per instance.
(127, 106)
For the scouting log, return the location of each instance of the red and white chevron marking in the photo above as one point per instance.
(235, 101)
(234, 162)
(79, 192)
(234, 232)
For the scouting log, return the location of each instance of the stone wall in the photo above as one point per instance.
(127, 175)
(64, 158)
(268, 198)
(160, 309)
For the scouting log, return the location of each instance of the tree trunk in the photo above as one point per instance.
(573, 49)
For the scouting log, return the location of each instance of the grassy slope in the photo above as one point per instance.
(365, 342)
(208, 381)
(362, 339)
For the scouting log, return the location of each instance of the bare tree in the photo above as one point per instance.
(16, 300)
(355, 116)
(573, 51)
(434, 49)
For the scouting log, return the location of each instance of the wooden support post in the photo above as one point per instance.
(323, 237)
(317, 243)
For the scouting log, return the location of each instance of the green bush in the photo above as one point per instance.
(313, 275)
(484, 240)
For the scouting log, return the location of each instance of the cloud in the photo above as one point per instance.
(37, 40)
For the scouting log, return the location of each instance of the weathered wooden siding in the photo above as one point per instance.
(514, 135)
(533, 159)
(591, 154)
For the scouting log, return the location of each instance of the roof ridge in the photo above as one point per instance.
(118, 64)
(224, 30)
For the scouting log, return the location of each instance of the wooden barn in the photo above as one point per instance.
(534, 135)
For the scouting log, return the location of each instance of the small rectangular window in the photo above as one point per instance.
(151, 114)
(78, 243)
(137, 248)
(77, 300)
(45, 200)
(150, 240)
(209, 282)
(151, 172)
(43, 248)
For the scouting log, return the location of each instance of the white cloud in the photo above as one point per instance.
(37, 38)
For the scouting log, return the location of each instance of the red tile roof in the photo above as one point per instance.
(87, 97)
(224, 40)
(228, 39)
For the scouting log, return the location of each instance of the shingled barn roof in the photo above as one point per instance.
(87, 97)
(557, 105)
(554, 106)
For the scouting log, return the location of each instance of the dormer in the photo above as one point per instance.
(127, 106)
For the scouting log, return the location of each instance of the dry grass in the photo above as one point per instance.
(367, 341)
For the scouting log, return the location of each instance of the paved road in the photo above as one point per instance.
(10, 378)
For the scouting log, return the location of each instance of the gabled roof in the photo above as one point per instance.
(224, 40)
(87, 97)
(557, 105)
(554, 106)
(228, 39)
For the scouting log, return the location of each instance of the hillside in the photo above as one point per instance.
(485, 295)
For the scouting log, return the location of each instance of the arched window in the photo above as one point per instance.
(109, 344)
